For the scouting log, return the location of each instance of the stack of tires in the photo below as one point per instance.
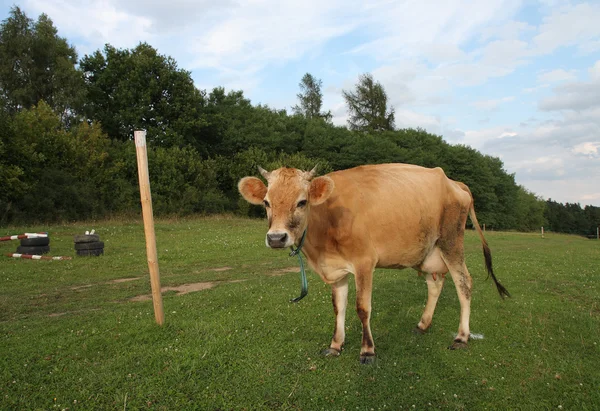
(34, 246)
(89, 245)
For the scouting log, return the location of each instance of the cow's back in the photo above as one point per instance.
(392, 212)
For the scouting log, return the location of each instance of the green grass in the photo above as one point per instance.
(72, 339)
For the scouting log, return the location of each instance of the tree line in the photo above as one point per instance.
(66, 129)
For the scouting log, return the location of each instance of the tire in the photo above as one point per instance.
(87, 238)
(35, 242)
(89, 246)
(89, 253)
(33, 250)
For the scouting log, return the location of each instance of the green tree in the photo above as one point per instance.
(36, 64)
(141, 89)
(12, 176)
(311, 99)
(529, 211)
(593, 216)
(368, 106)
(56, 167)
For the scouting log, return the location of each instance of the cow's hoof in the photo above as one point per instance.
(458, 345)
(331, 352)
(418, 331)
(367, 358)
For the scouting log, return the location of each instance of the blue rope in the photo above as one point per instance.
(304, 282)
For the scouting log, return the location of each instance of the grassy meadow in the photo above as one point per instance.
(80, 334)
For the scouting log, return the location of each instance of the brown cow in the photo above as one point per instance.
(389, 216)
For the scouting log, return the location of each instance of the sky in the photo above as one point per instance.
(518, 80)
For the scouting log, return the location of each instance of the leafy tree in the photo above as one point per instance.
(422, 148)
(571, 218)
(12, 181)
(55, 180)
(311, 99)
(470, 167)
(234, 125)
(593, 216)
(36, 64)
(368, 106)
(183, 183)
(529, 211)
(140, 89)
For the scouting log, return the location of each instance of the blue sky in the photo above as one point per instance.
(519, 80)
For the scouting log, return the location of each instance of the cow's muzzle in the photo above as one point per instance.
(277, 240)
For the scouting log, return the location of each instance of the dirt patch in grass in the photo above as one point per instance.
(117, 281)
(81, 287)
(124, 280)
(185, 289)
(219, 269)
(283, 271)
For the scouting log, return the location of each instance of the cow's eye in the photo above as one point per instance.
(301, 203)
(266, 203)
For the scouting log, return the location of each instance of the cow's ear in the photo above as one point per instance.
(320, 190)
(252, 189)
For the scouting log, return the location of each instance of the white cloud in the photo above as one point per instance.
(556, 76)
(480, 137)
(425, 28)
(536, 88)
(412, 119)
(551, 166)
(442, 53)
(591, 149)
(236, 39)
(261, 33)
(556, 158)
(491, 104)
(595, 72)
(574, 96)
(587, 198)
(340, 114)
(578, 95)
(511, 30)
(505, 53)
(97, 23)
(574, 25)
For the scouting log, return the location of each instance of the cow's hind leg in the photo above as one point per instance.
(339, 298)
(364, 289)
(463, 282)
(435, 283)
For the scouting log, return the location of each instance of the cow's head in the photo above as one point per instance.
(287, 198)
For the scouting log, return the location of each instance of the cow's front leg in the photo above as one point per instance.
(364, 289)
(339, 298)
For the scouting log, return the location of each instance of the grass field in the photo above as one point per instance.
(74, 337)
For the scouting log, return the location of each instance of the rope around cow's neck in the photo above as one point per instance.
(304, 289)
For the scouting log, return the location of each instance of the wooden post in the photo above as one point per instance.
(542, 232)
(146, 198)
(597, 233)
(484, 227)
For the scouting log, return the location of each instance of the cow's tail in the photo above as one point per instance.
(486, 249)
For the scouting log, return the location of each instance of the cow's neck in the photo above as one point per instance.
(299, 245)
(312, 234)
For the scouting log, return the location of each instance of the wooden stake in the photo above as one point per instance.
(542, 232)
(146, 198)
